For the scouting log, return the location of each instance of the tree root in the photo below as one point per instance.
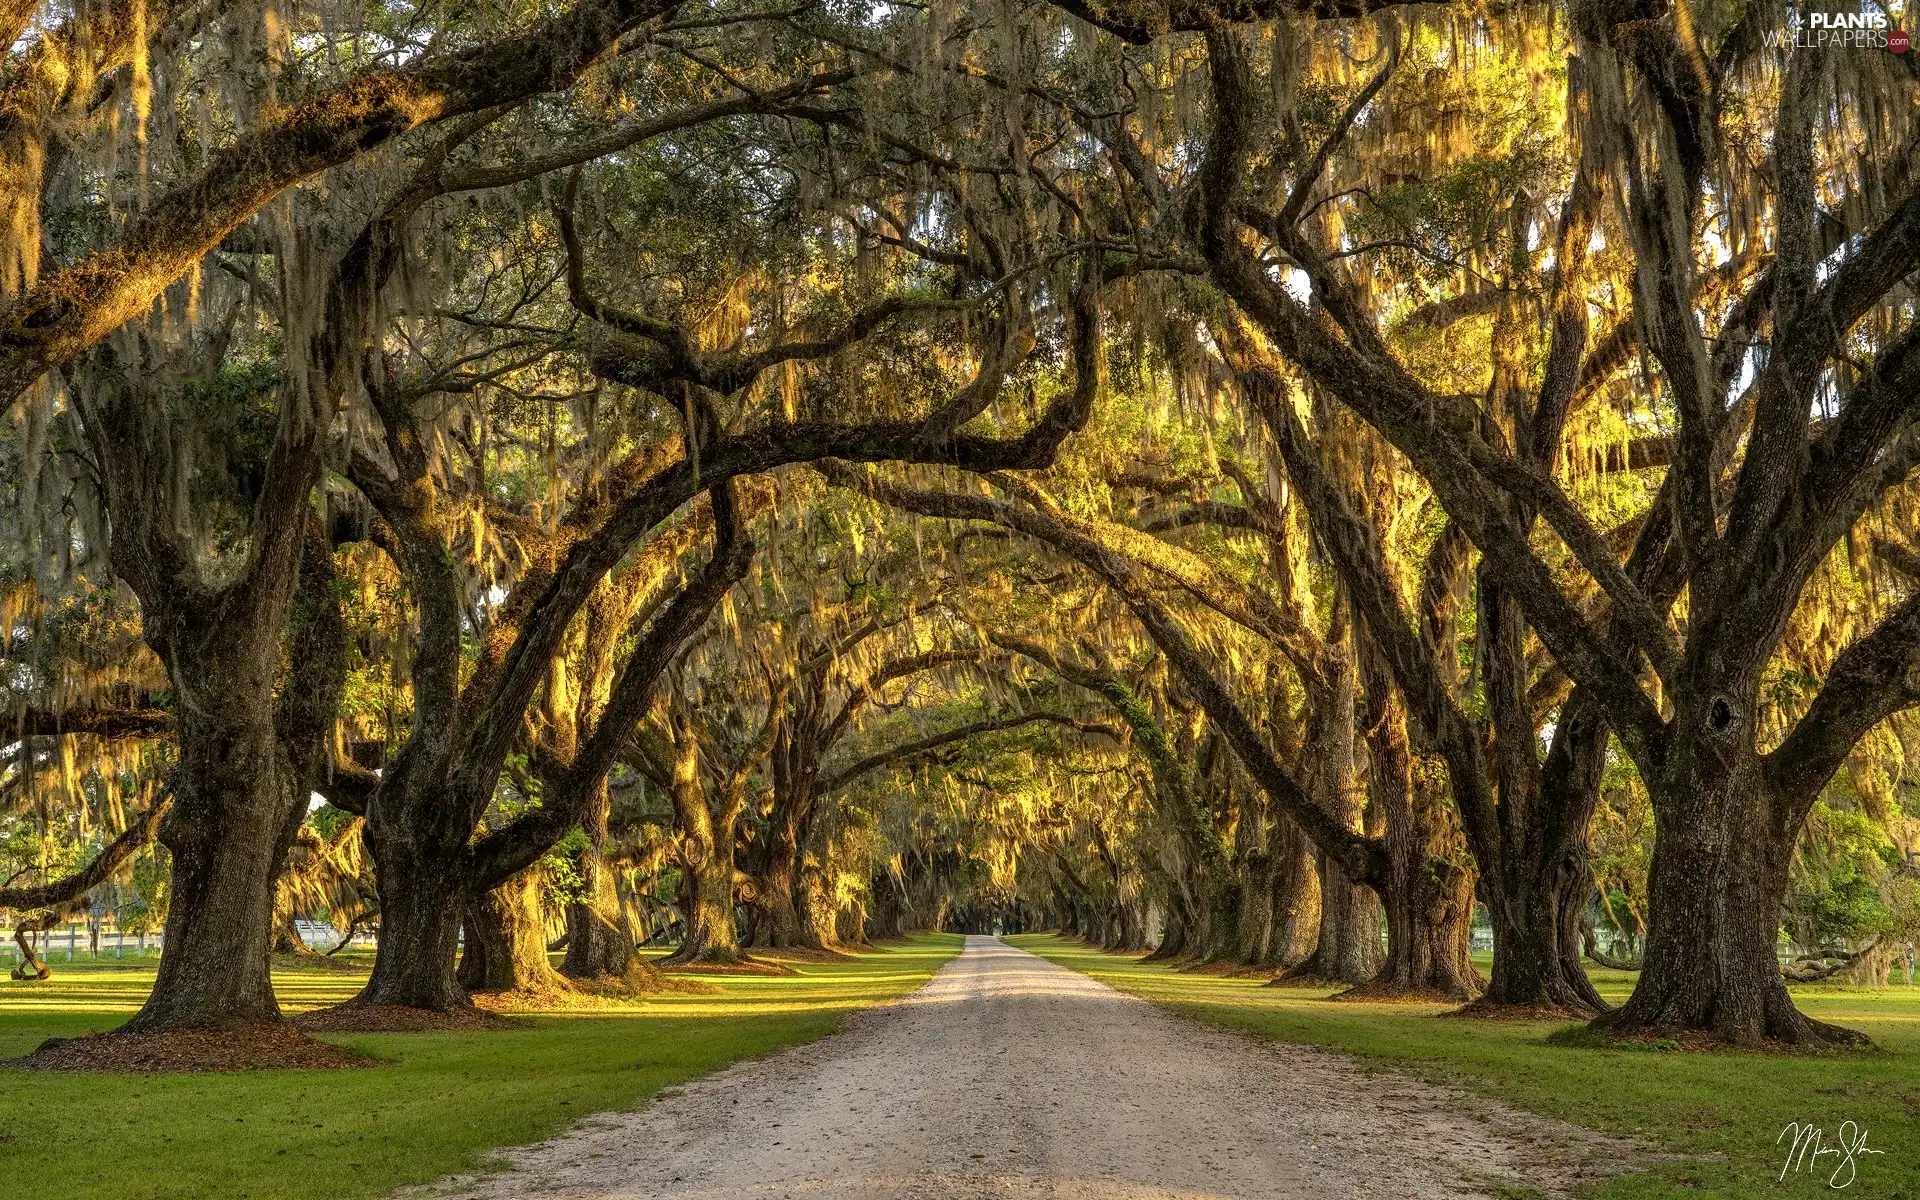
(1796, 1033)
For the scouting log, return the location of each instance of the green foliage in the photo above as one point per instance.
(1844, 886)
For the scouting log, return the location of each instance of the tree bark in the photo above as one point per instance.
(1173, 936)
(1296, 896)
(706, 853)
(240, 791)
(1349, 948)
(814, 910)
(1535, 896)
(776, 910)
(598, 944)
(776, 916)
(707, 897)
(1718, 881)
(417, 837)
(506, 940)
(1429, 890)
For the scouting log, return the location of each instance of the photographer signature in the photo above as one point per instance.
(1807, 1148)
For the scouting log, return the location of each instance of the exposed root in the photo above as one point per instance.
(1799, 1034)
(249, 1046)
(399, 1018)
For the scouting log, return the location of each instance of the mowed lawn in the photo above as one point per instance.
(440, 1104)
(1722, 1110)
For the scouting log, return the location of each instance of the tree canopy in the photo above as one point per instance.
(1273, 483)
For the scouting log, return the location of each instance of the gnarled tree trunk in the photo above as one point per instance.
(887, 918)
(1429, 890)
(420, 873)
(598, 945)
(1296, 895)
(1722, 850)
(506, 940)
(1535, 897)
(1349, 949)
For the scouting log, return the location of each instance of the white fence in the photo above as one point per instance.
(75, 943)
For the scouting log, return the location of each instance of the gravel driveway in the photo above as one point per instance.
(1009, 1076)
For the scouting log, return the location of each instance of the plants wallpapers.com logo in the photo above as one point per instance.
(1872, 27)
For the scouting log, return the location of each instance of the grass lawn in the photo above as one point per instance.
(1726, 1108)
(442, 1104)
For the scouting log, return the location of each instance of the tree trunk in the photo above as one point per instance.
(851, 924)
(707, 898)
(422, 894)
(1724, 841)
(231, 824)
(598, 945)
(776, 916)
(1296, 896)
(706, 861)
(1253, 921)
(287, 939)
(1351, 927)
(1226, 902)
(506, 946)
(814, 911)
(1173, 937)
(1349, 949)
(887, 920)
(1428, 894)
(1535, 901)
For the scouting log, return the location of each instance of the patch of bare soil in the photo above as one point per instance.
(794, 954)
(746, 966)
(253, 1046)
(1008, 1076)
(1232, 971)
(1484, 1009)
(641, 983)
(1370, 993)
(398, 1018)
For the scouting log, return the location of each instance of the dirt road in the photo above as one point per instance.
(1008, 1076)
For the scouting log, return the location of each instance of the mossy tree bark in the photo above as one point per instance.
(708, 798)
(249, 733)
(506, 939)
(598, 943)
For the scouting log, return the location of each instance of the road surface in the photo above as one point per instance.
(1008, 1076)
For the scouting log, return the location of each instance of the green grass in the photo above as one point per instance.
(442, 1104)
(1723, 1110)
